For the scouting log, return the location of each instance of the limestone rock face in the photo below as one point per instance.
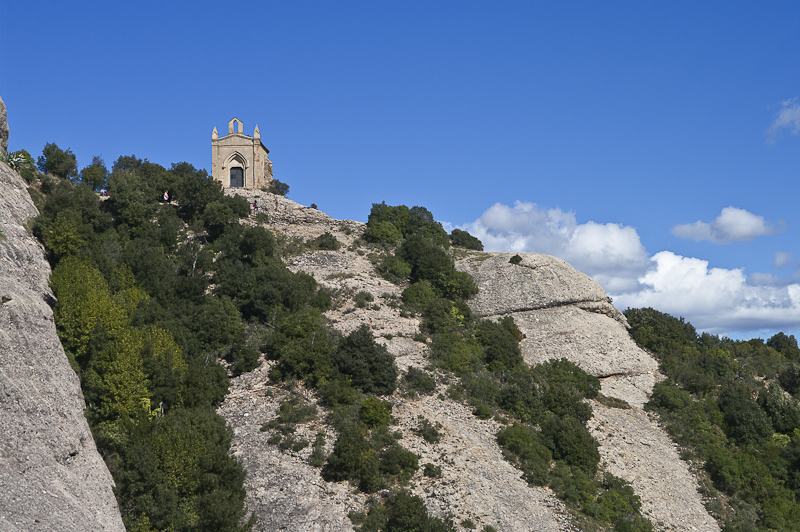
(51, 475)
(564, 314)
(3, 128)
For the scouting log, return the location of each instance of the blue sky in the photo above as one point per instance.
(653, 146)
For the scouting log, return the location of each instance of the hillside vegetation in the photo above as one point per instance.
(161, 303)
(731, 406)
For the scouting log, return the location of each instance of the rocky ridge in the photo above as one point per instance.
(51, 475)
(3, 128)
(562, 312)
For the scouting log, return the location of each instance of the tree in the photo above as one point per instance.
(58, 162)
(465, 240)
(96, 174)
(786, 345)
(279, 187)
(368, 363)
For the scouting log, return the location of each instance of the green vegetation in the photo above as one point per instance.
(278, 187)
(465, 240)
(145, 334)
(725, 404)
(428, 431)
(400, 513)
(325, 241)
(549, 441)
(416, 381)
(58, 162)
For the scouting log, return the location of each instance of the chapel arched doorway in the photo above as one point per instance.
(237, 177)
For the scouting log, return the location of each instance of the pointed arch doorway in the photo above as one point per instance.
(237, 177)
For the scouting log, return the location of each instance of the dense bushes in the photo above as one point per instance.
(144, 334)
(724, 402)
(465, 240)
(402, 512)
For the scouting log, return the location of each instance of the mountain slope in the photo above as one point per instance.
(562, 313)
(51, 475)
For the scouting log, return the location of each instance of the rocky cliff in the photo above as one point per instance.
(51, 475)
(3, 128)
(562, 313)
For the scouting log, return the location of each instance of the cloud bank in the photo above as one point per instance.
(732, 225)
(788, 118)
(716, 300)
(613, 253)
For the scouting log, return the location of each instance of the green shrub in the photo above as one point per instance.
(417, 380)
(396, 461)
(382, 232)
(291, 412)
(427, 430)
(463, 239)
(419, 296)
(516, 259)
(569, 440)
(369, 365)
(393, 269)
(432, 471)
(325, 241)
(374, 412)
(522, 446)
(747, 422)
(318, 456)
(668, 396)
(353, 459)
(362, 298)
(482, 411)
(278, 187)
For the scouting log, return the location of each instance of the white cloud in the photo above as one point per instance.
(788, 118)
(715, 300)
(611, 253)
(732, 225)
(783, 259)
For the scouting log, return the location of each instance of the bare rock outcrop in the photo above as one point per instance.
(3, 128)
(51, 475)
(564, 314)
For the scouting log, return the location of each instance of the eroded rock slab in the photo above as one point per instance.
(564, 314)
(633, 447)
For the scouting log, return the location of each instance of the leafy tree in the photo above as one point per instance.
(369, 365)
(279, 187)
(786, 345)
(96, 174)
(522, 445)
(463, 239)
(746, 422)
(385, 222)
(569, 440)
(58, 162)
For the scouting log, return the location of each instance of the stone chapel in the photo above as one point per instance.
(238, 160)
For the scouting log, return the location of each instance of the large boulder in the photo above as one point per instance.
(562, 312)
(51, 475)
